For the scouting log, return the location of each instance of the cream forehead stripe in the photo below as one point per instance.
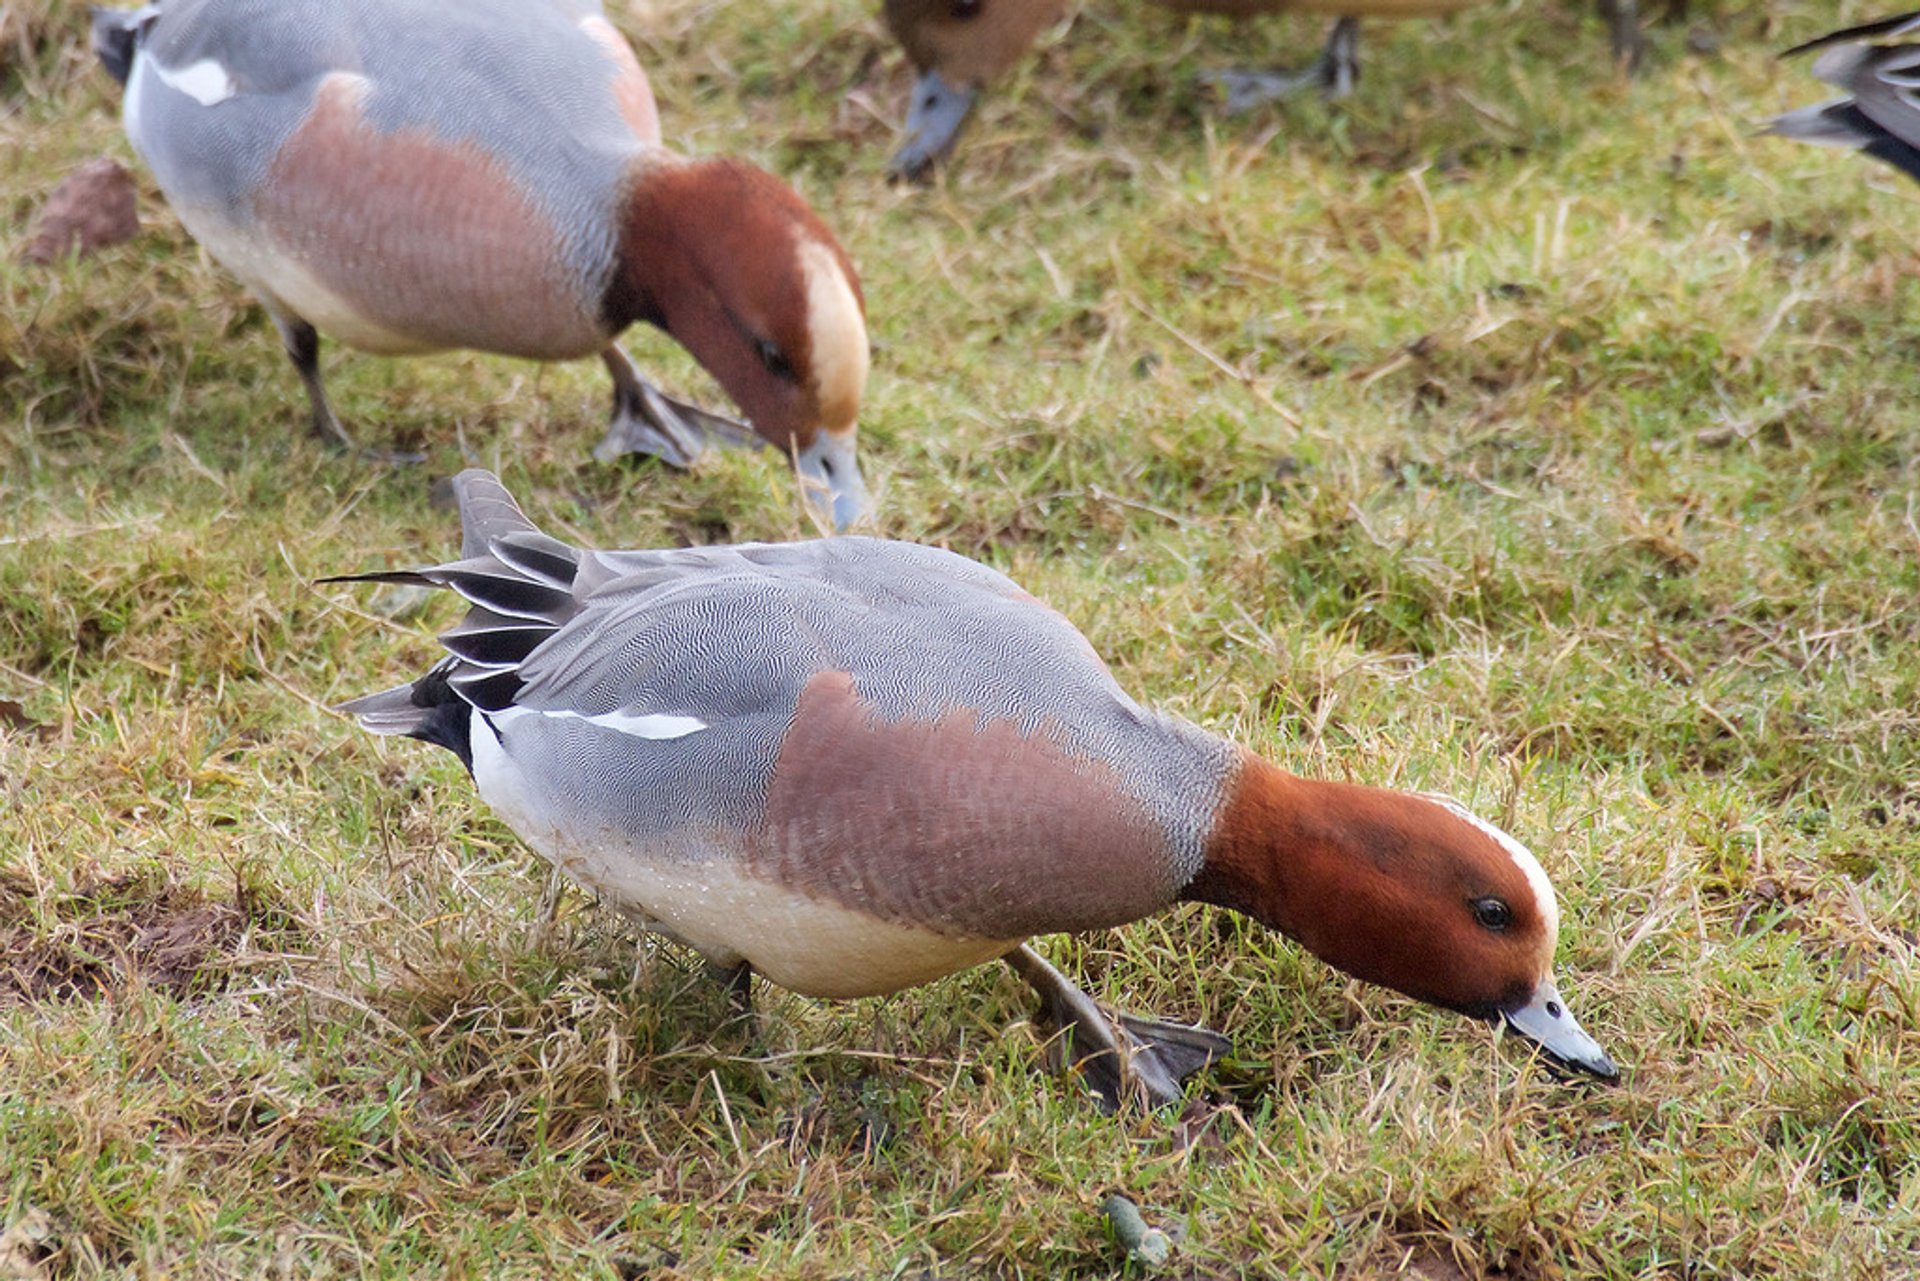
(1522, 857)
(838, 333)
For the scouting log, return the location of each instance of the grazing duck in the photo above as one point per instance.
(961, 46)
(411, 175)
(854, 766)
(1882, 115)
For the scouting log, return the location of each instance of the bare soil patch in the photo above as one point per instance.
(111, 931)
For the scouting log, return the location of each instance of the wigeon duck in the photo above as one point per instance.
(412, 175)
(1882, 118)
(853, 766)
(961, 46)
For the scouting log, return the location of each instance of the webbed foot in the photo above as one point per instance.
(1125, 1059)
(648, 421)
(1334, 73)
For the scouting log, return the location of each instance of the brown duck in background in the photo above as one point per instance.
(961, 46)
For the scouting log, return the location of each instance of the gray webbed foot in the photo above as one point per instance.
(1334, 73)
(648, 421)
(1126, 1060)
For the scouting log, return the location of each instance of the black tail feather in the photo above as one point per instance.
(428, 709)
(491, 640)
(117, 34)
(1896, 26)
(519, 584)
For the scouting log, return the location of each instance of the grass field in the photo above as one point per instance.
(1512, 430)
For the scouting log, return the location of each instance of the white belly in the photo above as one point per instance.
(290, 289)
(689, 885)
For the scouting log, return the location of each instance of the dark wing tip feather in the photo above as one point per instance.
(1899, 25)
(538, 556)
(409, 577)
(490, 691)
(510, 594)
(487, 639)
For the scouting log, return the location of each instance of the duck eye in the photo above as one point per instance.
(775, 360)
(1492, 913)
(964, 9)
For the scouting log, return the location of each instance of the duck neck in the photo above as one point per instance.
(1315, 861)
(1263, 858)
(647, 254)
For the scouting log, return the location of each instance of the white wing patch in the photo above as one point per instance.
(1522, 857)
(205, 81)
(649, 725)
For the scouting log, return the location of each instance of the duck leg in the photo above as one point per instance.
(1623, 23)
(648, 421)
(1127, 1060)
(302, 343)
(738, 979)
(1334, 73)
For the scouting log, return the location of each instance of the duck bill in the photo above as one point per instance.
(1548, 1023)
(934, 119)
(829, 472)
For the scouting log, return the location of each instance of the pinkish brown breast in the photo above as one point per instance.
(423, 244)
(955, 825)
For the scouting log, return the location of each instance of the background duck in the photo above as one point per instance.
(892, 764)
(408, 176)
(1881, 114)
(961, 46)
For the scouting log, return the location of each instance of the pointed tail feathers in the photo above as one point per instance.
(1882, 117)
(391, 711)
(428, 709)
(1903, 24)
(487, 512)
(519, 583)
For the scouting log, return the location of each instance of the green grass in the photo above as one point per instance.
(1512, 430)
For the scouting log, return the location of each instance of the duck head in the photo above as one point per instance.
(1407, 890)
(959, 47)
(734, 265)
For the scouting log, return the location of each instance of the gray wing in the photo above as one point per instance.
(271, 56)
(729, 639)
(645, 701)
(712, 630)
